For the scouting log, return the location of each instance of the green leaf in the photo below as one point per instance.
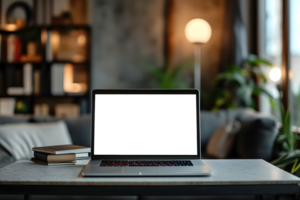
(220, 102)
(287, 159)
(296, 166)
(285, 146)
(281, 138)
(239, 78)
(253, 60)
(219, 78)
(282, 113)
(260, 75)
(273, 104)
(231, 75)
(287, 130)
(168, 77)
(297, 173)
(233, 69)
(176, 71)
(279, 160)
(264, 62)
(259, 90)
(232, 105)
(245, 93)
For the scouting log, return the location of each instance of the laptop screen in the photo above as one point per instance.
(145, 124)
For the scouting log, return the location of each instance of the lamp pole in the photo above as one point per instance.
(197, 76)
(197, 67)
(197, 32)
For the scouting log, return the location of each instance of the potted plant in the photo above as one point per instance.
(239, 85)
(286, 144)
(169, 77)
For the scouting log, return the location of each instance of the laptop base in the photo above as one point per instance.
(199, 168)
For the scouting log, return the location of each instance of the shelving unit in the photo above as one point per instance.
(44, 68)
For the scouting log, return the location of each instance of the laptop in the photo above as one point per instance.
(145, 133)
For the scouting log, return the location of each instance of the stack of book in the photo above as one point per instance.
(60, 155)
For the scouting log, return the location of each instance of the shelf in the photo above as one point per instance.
(44, 96)
(66, 61)
(18, 63)
(48, 63)
(60, 96)
(44, 68)
(15, 96)
(48, 27)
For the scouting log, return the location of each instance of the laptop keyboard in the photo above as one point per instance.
(133, 163)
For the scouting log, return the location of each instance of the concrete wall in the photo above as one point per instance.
(126, 36)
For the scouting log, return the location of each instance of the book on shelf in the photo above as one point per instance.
(34, 58)
(27, 78)
(7, 106)
(13, 76)
(63, 149)
(49, 54)
(45, 80)
(0, 47)
(57, 79)
(15, 91)
(13, 48)
(52, 163)
(16, 80)
(37, 81)
(1, 83)
(67, 110)
(41, 109)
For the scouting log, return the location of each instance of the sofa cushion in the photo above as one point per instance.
(19, 139)
(257, 135)
(13, 119)
(5, 157)
(79, 128)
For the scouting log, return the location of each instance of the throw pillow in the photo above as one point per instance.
(211, 121)
(221, 142)
(18, 139)
(257, 136)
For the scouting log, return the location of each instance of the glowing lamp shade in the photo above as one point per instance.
(197, 31)
(275, 74)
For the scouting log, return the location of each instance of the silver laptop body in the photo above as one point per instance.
(146, 133)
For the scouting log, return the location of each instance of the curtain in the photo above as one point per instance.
(235, 43)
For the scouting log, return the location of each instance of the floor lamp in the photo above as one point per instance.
(197, 32)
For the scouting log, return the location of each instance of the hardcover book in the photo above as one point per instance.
(54, 158)
(52, 163)
(63, 149)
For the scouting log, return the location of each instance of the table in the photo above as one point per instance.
(230, 177)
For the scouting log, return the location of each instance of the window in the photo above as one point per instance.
(270, 47)
(295, 60)
(271, 42)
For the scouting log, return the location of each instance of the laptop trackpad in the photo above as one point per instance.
(147, 170)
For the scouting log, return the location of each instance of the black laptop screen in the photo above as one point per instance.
(145, 124)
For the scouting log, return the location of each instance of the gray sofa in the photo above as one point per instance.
(254, 140)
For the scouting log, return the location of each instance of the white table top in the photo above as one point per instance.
(225, 172)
